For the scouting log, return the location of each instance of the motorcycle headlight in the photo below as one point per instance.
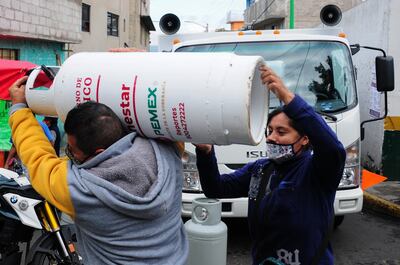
(191, 179)
(351, 172)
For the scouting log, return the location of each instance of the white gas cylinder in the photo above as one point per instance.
(215, 98)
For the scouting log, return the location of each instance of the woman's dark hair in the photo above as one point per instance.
(292, 123)
(94, 126)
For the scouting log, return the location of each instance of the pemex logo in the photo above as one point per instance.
(152, 109)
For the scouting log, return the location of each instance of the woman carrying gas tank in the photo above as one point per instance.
(291, 193)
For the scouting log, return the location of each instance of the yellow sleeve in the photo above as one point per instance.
(47, 172)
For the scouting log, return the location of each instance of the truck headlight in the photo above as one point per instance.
(351, 172)
(191, 179)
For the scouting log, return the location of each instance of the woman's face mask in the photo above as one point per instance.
(281, 153)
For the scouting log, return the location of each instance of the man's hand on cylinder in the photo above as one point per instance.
(17, 91)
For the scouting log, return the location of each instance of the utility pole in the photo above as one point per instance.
(291, 18)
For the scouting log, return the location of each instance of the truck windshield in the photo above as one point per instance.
(319, 71)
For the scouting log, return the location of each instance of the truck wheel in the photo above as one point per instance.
(338, 221)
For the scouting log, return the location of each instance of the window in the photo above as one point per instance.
(85, 17)
(9, 54)
(112, 24)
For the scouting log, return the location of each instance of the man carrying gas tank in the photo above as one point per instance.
(122, 191)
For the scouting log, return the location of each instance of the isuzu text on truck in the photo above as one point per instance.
(315, 64)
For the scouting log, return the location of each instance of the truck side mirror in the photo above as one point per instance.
(384, 73)
(384, 68)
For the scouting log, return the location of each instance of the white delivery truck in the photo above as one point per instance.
(315, 64)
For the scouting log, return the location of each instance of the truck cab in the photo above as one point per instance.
(315, 64)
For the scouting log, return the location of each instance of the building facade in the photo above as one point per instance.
(235, 19)
(113, 24)
(36, 30)
(271, 14)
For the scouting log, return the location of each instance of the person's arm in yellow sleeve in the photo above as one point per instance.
(48, 172)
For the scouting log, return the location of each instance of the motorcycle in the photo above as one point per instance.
(24, 216)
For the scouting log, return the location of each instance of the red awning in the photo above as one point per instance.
(11, 71)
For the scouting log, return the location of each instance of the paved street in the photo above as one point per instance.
(363, 239)
(367, 239)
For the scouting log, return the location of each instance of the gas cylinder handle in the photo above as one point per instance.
(40, 100)
(32, 78)
(49, 73)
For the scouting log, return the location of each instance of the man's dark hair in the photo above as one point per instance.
(94, 126)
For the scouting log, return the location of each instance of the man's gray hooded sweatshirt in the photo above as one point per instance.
(127, 204)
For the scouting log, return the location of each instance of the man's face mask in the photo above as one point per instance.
(281, 153)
